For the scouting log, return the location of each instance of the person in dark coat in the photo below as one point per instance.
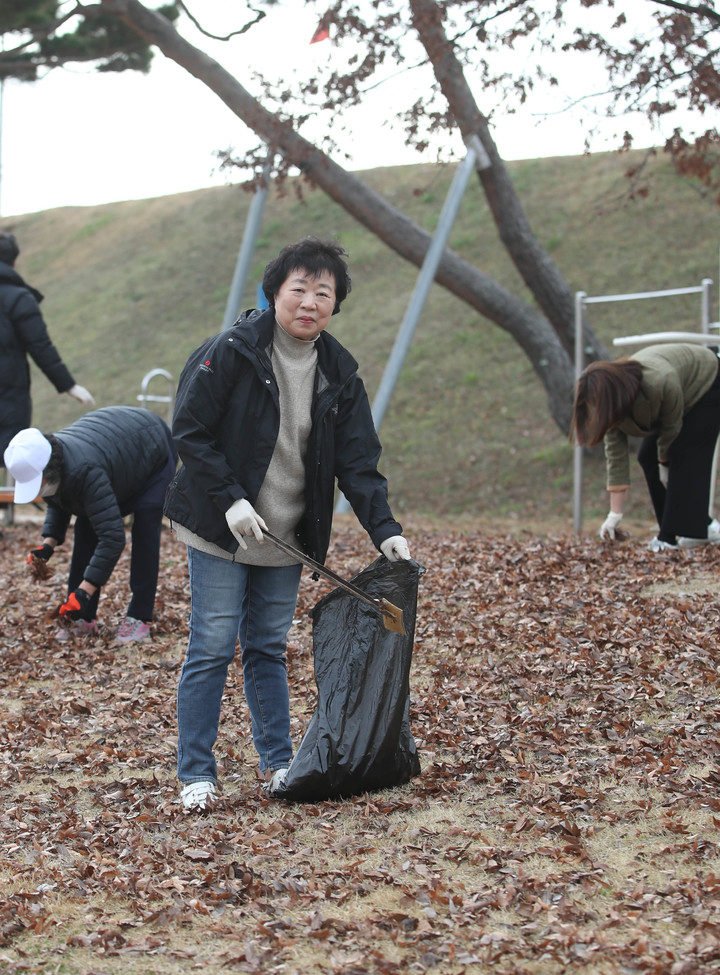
(23, 333)
(268, 415)
(108, 464)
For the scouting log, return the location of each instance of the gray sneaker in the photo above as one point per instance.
(132, 631)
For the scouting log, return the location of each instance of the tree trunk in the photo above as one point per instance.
(550, 357)
(535, 265)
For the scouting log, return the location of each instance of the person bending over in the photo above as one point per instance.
(108, 464)
(669, 395)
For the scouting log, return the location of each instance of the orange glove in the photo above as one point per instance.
(77, 605)
(41, 552)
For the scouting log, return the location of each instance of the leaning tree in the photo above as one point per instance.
(670, 64)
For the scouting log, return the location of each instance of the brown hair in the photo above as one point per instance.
(604, 396)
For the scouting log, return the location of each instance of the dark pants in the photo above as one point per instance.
(144, 561)
(682, 508)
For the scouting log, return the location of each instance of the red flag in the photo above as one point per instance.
(321, 33)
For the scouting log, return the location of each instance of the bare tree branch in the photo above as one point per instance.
(536, 266)
(216, 37)
(693, 9)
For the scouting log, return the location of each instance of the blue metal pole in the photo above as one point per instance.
(247, 248)
(475, 158)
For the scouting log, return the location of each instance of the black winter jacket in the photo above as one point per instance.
(109, 456)
(23, 332)
(226, 423)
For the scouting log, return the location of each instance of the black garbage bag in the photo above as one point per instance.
(359, 737)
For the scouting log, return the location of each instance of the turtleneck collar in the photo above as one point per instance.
(291, 342)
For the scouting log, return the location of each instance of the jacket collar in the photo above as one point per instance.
(8, 275)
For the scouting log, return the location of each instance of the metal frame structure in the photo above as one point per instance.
(704, 336)
(144, 397)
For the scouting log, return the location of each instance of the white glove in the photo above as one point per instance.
(607, 529)
(242, 520)
(81, 395)
(395, 548)
(663, 471)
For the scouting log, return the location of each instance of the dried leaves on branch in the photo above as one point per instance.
(565, 703)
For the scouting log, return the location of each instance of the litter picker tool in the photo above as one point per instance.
(391, 615)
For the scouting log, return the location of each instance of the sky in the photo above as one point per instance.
(79, 138)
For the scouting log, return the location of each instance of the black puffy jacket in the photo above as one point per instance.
(109, 456)
(23, 332)
(226, 422)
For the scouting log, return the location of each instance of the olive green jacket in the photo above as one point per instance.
(675, 376)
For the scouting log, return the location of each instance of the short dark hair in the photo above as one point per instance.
(9, 249)
(604, 397)
(55, 467)
(314, 255)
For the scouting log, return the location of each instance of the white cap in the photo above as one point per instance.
(26, 457)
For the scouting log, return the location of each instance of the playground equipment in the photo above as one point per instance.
(144, 397)
(704, 336)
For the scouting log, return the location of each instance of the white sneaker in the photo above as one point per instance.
(276, 781)
(656, 545)
(713, 537)
(197, 794)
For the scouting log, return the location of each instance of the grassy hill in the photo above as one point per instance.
(137, 285)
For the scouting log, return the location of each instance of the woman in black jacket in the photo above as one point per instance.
(268, 415)
(23, 333)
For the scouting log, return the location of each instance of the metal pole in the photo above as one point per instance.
(707, 298)
(422, 288)
(2, 92)
(247, 247)
(578, 451)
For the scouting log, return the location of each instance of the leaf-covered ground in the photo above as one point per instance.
(566, 706)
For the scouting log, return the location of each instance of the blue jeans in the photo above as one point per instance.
(229, 601)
